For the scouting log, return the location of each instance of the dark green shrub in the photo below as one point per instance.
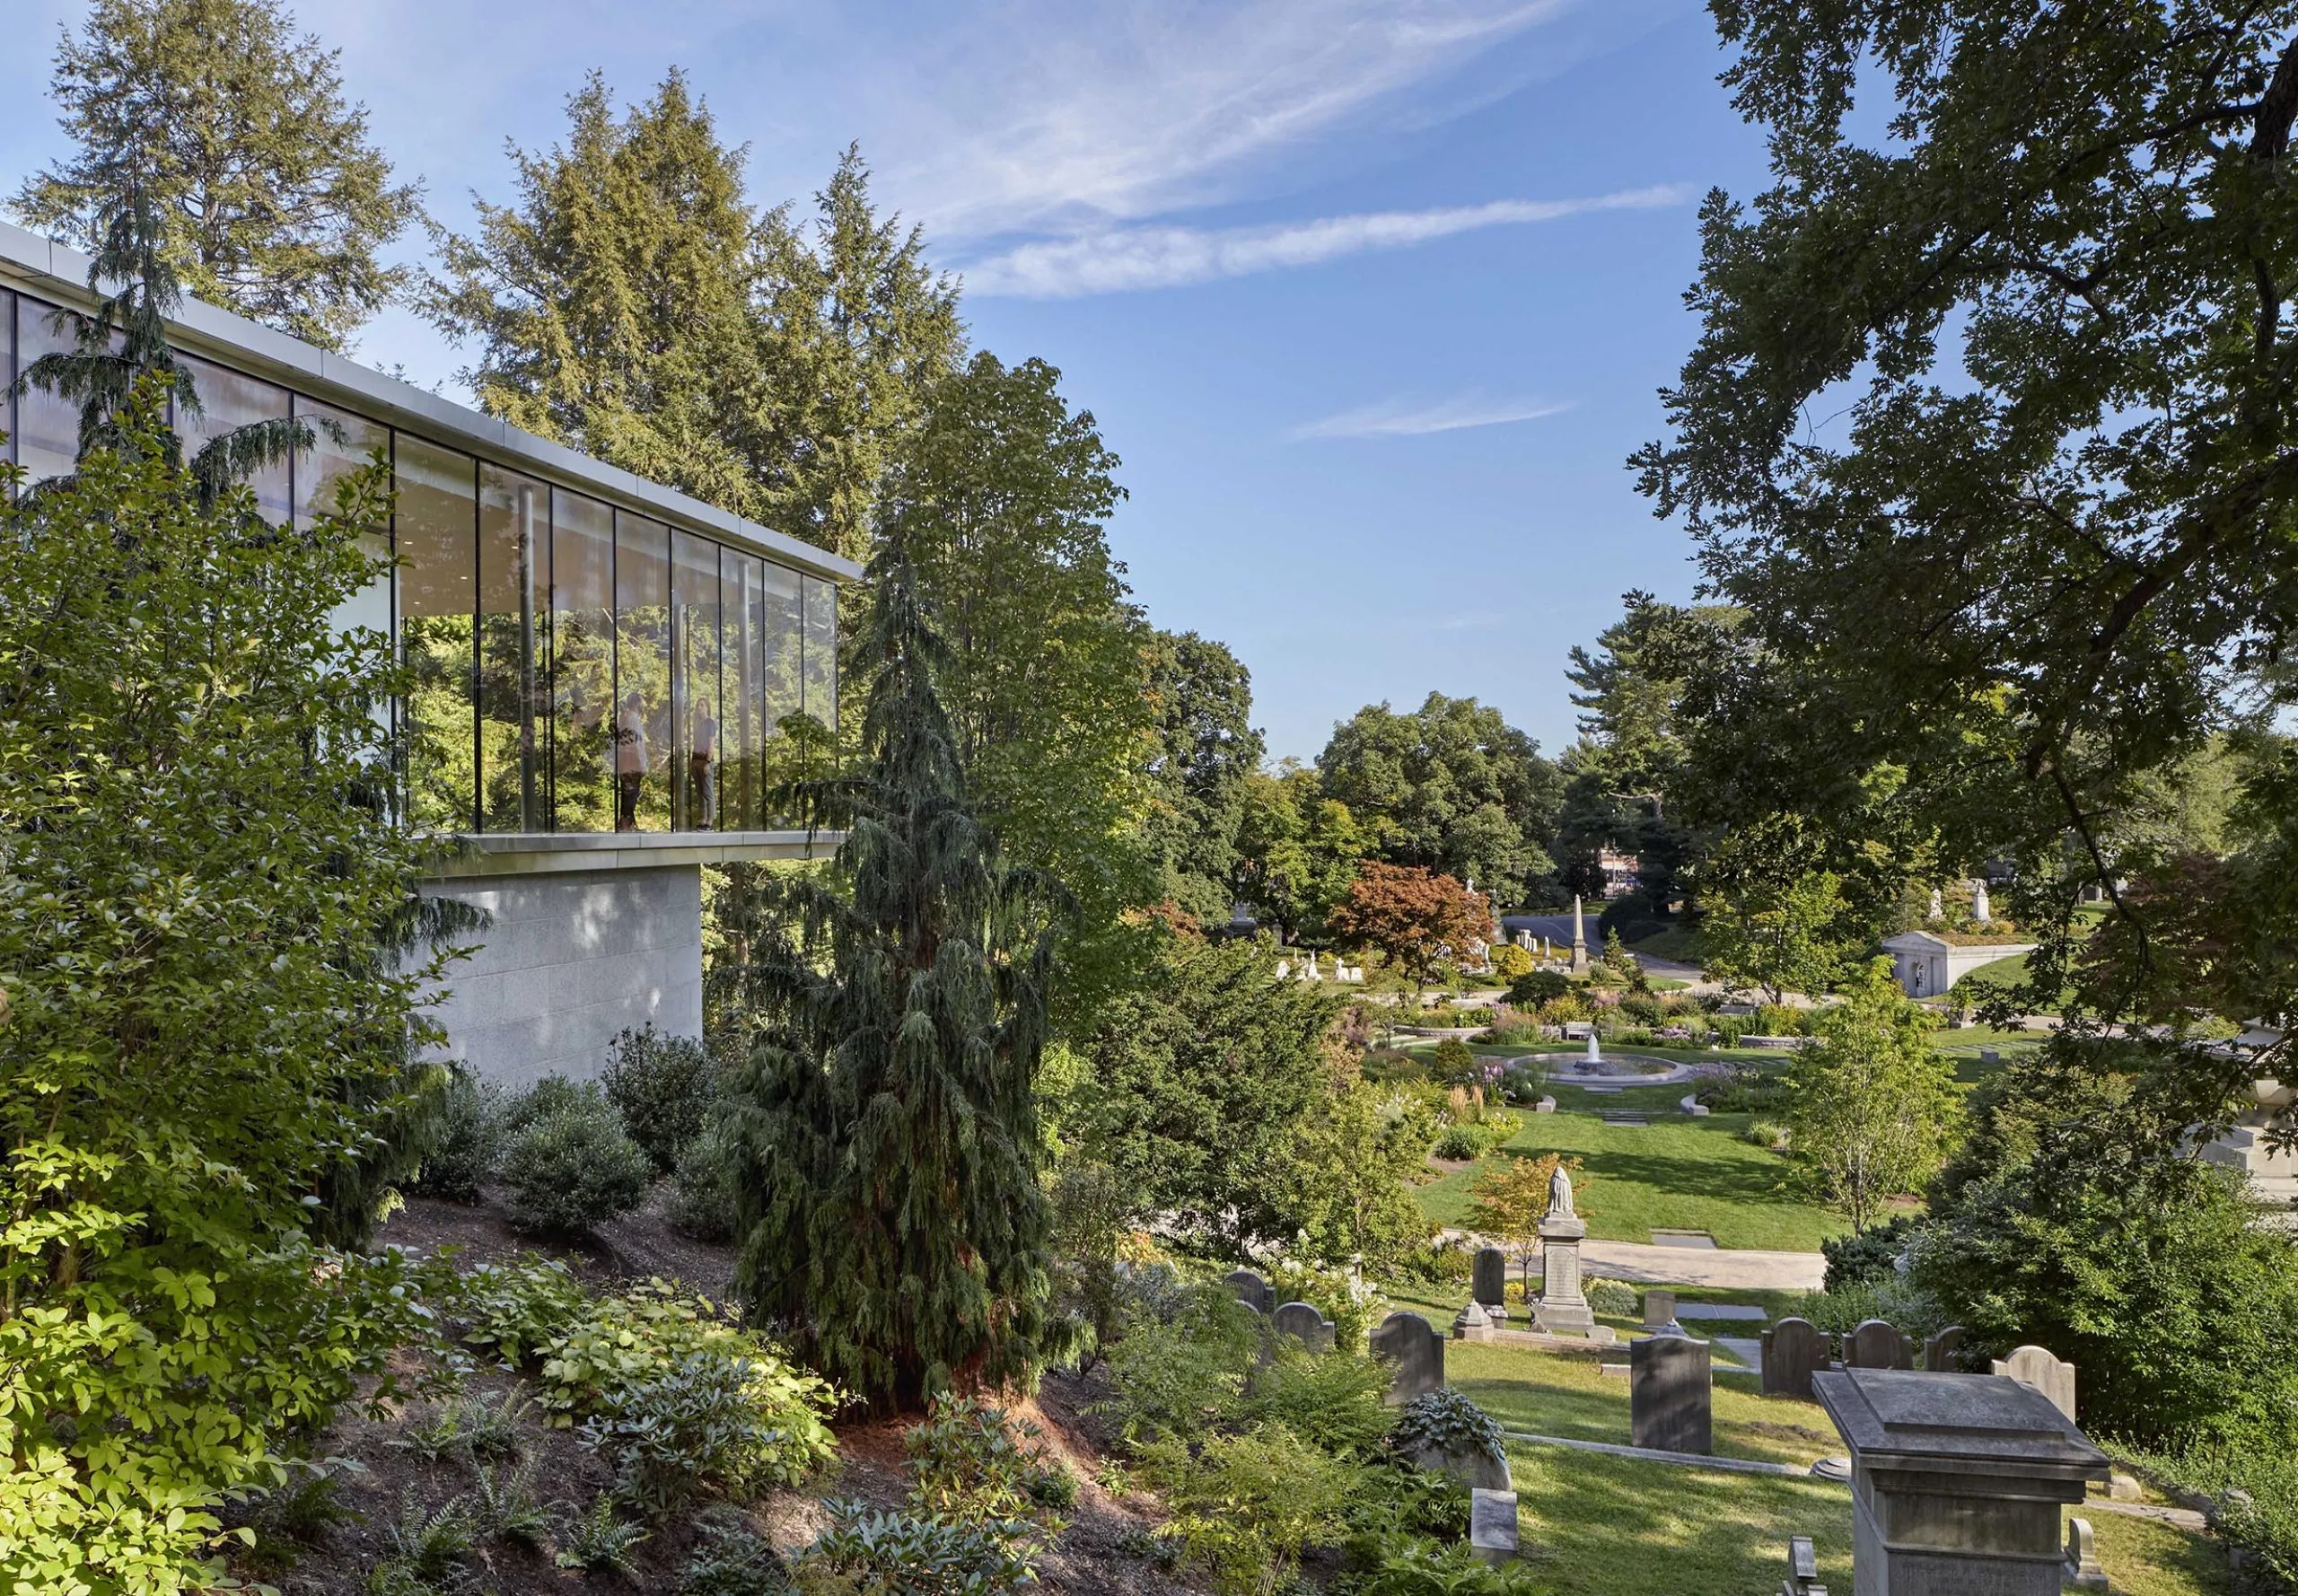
(2253, 1506)
(974, 1462)
(702, 1190)
(705, 1421)
(1182, 1375)
(911, 1552)
(730, 1558)
(1870, 1258)
(1330, 1399)
(1530, 991)
(1447, 1421)
(571, 1165)
(1393, 1497)
(465, 1145)
(666, 1088)
(1418, 1566)
(1458, 1142)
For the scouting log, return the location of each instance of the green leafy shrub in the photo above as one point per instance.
(1868, 1258)
(1352, 1303)
(1768, 1133)
(1542, 986)
(910, 1554)
(2252, 1492)
(1748, 1091)
(702, 1188)
(1454, 1063)
(516, 1307)
(1439, 1262)
(1330, 1399)
(210, 1016)
(1395, 1498)
(1416, 1565)
(708, 1421)
(1460, 1143)
(666, 1088)
(972, 1461)
(1446, 1422)
(570, 1165)
(1179, 1377)
(1615, 1299)
(465, 1149)
(1245, 1506)
(1780, 1019)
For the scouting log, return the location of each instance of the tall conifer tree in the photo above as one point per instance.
(269, 198)
(885, 1138)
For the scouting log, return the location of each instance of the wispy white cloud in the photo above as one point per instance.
(1398, 418)
(1130, 259)
(1043, 115)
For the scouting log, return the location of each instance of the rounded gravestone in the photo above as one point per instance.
(1878, 1344)
(1793, 1350)
(1412, 1343)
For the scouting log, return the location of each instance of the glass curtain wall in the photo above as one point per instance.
(229, 401)
(642, 669)
(438, 555)
(575, 668)
(696, 696)
(581, 690)
(514, 651)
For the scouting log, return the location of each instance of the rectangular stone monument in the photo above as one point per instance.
(1304, 1324)
(1793, 1350)
(1489, 1279)
(1492, 1525)
(1249, 1288)
(1957, 1481)
(1878, 1344)
(1412, 1343)
(1659, 1310)
(1563, 1309)
(1670, 1394)
(2046, 1374)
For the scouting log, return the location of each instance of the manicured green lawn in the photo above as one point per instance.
(1671, 1174)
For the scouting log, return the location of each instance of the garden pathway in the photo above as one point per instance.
(1738, 1268)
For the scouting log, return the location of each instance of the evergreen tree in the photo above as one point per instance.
(271, 199)
(1000, 497)
(883, 1133)
(1205, 754)
(612, 303)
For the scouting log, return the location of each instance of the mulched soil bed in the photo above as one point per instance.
(1099, 1551)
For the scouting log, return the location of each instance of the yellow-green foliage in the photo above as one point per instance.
(1245, 1506)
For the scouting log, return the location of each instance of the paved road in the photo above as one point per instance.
(1741, 1269)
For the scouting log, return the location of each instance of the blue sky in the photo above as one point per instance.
(1372, 297)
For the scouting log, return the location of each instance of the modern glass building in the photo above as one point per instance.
(611, 678)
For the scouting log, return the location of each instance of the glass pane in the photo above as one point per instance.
(642, 616)
(228, 402)
(781, 652)
(47, 434)
(695, 717)
(7, 373)
(342, 444)
(821, 670)
(739, 677)
(513, 650)
(581, 638)
(438, 553)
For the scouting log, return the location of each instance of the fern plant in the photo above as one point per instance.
(599, 1539)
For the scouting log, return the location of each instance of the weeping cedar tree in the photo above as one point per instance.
(883, 1132)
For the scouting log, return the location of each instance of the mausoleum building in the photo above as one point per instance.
(611, 676)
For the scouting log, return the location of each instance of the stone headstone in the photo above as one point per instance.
(1304, 1325)
(1990, 1055)
(1490, 1278)
(1793, 1350)
(1249, 1288)
(1878, 1344)
(1492, 1525)
(1547, 1105)
(1802, 1569)
(1412, 1343)
(1670, 1400)
(1472, 1323)
(1942, 1354)
(2046, 1374)
(1956, 1481)
(2082, 1565)
(1660, 1312)
(1562, 1307)
(2123, 1487)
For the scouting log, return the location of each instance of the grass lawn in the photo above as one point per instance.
(1679, 1174)
(1622, 1527)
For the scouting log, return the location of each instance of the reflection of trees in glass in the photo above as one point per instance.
(437, 536)
(514, 651)
(698, 709)
(783, 693)
(581, 557)
(642, 579)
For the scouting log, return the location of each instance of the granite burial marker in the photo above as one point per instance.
(1490, 1280)
(1412, 1343)
(1660, 1312)
(1492, 1525)
(1251, 1289)
(1304, 1325)
(2046, 1374)
(1793, 1350)
(1942, 1354)
(1669, 1399)
(1878, 1344)
(1957, 1481)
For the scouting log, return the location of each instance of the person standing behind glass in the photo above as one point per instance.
(702, 763)
(629, 761)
